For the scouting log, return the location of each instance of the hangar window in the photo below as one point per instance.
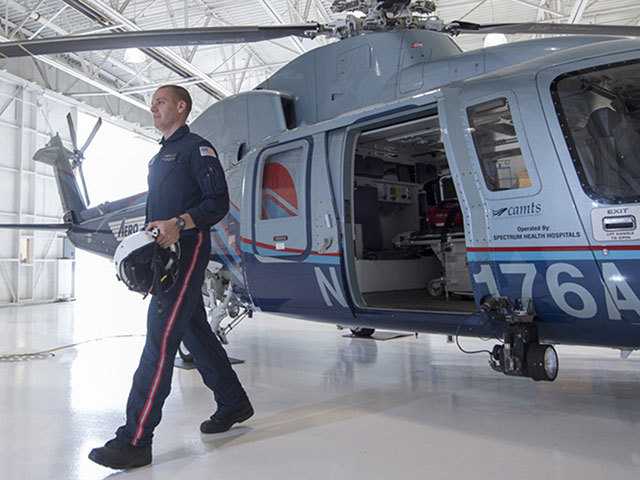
(497, 146)
(282, 182)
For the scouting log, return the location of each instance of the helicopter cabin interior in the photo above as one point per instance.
(407, 230)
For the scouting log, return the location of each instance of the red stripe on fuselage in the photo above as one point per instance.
(290, 250)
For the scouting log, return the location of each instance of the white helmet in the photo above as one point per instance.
(143, 265)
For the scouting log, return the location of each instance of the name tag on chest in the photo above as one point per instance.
(163, 157)
(168, 157)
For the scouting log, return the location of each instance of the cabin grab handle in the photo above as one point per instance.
(628, 222)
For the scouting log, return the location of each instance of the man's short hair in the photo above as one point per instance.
(180, 93)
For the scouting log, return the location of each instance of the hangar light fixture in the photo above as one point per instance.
(495, 39)
(134, 55)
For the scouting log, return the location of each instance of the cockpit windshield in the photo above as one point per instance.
(599, 109)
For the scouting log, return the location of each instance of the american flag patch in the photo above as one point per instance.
(208, 152)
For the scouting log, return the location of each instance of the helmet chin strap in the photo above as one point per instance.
(162, 269)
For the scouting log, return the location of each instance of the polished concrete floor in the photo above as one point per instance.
(327, 407)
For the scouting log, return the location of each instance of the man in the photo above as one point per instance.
(187, 195)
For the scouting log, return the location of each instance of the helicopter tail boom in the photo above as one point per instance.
(56, 155)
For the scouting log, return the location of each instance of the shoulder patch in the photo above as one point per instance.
(208, 152)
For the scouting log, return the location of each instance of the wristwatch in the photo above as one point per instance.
(180, 223)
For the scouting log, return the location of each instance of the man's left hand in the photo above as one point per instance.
(169, 233)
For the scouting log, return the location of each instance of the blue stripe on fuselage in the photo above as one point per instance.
(529, 256)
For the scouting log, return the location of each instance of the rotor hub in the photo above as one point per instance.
(381, 15)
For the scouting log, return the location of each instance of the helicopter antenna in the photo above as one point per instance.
(78, 153)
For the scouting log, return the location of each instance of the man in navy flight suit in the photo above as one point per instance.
(187, 195)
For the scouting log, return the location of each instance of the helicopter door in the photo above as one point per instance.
(594, 111)
(526, 242)
(280, 207)
(292, 261)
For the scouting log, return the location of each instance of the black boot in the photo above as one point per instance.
(120, 455)
(221, 421)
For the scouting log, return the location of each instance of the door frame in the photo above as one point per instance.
(352, 134)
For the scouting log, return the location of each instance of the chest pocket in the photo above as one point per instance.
(168, 172)
(167, 157)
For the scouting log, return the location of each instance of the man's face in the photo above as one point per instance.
(166, 109)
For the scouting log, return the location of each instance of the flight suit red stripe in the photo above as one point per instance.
(163, 347)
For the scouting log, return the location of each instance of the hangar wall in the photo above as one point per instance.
(35, 266)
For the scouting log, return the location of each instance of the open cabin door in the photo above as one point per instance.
(527, 241)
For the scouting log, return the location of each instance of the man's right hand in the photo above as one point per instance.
(168, 232)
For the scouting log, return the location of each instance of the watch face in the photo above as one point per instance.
(180, 223)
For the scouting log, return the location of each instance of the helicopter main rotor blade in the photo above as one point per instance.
(36, 226)
(154, 38)
(72, 132)
(96, 127)
(548, 28)
(68, 227)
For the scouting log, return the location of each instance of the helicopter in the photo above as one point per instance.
(390, 180)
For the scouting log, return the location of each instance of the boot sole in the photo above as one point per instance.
(243, 418)
(118, 466)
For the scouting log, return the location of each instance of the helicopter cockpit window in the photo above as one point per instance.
(282, 180)
(599, 110)
(497, 147)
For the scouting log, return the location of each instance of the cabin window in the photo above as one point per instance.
(282, 183)
(599, 110)
(497, 146)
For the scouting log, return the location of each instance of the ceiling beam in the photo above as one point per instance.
(605, 11)
(473, 9)
(85, 65)
(216, 16)
(275, 16)
(48, 23)
(86, 79)
(539, 7)
(577, 11)
(26, 18)
(325, 16)
(96, 10)
(194, 81)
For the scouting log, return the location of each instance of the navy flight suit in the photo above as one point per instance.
(184, 177)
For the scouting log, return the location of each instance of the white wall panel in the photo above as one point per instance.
(26, 282)
(8, 193)
(8, 152)
(8, 241)
(8, 281)
(29, 194)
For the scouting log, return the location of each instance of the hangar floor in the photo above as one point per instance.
(327, 407)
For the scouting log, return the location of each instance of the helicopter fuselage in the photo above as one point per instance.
(330, 160)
